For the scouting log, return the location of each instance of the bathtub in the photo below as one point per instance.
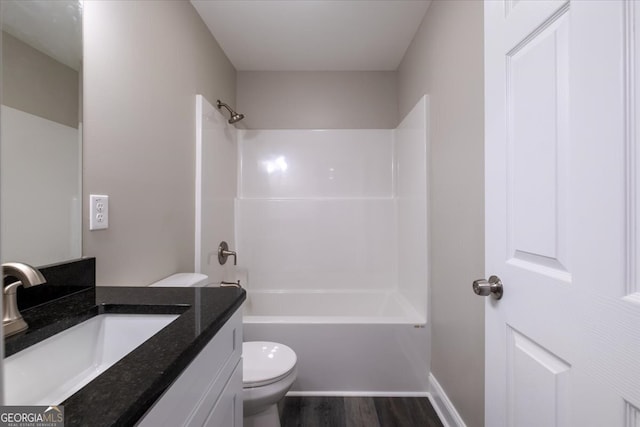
(348, 342)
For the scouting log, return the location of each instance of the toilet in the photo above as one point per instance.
(268, 368)
(182, 280)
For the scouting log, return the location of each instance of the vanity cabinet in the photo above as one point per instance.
(209, 391)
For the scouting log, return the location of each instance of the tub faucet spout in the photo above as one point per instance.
(225, 284)
(12, 321)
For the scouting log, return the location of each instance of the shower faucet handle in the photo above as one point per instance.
(224, 253)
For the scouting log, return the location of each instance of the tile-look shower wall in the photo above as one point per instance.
(336, 209)
(348, 163)
(316, 209)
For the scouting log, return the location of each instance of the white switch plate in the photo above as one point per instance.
(98, 212)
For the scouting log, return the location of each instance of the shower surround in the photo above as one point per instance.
(332, 228)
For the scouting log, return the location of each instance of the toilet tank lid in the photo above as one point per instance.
(183, 280)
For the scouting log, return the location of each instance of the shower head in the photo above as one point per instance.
(235, 117)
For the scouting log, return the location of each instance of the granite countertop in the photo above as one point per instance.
(122, 394)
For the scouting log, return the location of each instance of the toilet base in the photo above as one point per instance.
(267, 418)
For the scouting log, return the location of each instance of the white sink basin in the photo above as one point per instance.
(52, 370)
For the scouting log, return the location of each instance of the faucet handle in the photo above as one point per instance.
(10, 310)
(224, 253)
(12, 321)
(12, 288)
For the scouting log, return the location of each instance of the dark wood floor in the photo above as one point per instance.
(358, 412)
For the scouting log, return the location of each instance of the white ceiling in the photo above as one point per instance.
(313, 35)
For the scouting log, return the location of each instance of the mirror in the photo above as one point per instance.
(41, 131)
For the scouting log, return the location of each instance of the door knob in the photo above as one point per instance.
(493, 286)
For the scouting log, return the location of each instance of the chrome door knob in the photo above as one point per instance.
(493, 286)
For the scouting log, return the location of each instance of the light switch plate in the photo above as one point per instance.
(98, 212)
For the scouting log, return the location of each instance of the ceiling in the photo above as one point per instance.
(313, 35)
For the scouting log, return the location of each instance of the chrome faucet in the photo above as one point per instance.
(225, 284)
(12, 321)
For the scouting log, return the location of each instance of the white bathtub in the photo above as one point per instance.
(347, 342)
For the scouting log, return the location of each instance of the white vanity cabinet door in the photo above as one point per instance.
(228, 409)
(207, 388)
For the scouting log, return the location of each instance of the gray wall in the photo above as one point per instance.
(144, 62)
(445, 60)
(38, 84)
(318, 99)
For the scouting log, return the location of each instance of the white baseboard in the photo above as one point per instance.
(443, 406)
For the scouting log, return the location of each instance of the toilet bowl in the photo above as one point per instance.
(269, 370)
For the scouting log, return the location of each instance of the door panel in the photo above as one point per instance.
(563, 344)
(632, 415)
(538, 139)
(538, 383)
(527, 199)
(604, 122)
(632, 119)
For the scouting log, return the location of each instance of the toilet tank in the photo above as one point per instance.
(185, 280)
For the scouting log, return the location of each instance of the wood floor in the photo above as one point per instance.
(358, 412)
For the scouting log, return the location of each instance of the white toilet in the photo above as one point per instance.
(268, 368)
(179, 280)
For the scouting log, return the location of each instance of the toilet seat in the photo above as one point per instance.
(266, 363)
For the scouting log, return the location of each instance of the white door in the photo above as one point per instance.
(562, 229)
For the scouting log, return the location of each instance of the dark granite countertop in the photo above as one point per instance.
(123, 393)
